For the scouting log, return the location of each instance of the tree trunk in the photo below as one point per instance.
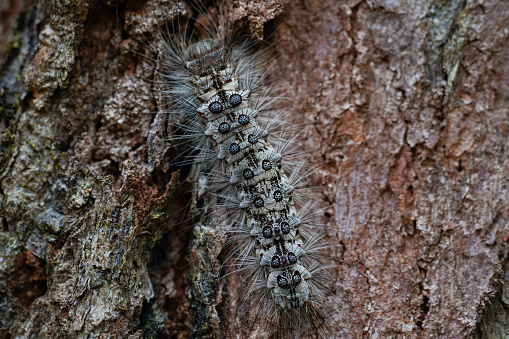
(408, 109)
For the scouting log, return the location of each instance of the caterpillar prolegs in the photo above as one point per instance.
(216, 86)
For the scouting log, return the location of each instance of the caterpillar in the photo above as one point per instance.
(221, 108)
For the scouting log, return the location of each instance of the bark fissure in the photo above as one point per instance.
(407, 108)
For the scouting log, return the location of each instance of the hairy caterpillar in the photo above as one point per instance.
(223, 111)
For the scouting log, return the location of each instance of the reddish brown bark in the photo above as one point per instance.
(406, 104)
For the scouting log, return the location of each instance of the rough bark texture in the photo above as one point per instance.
(407, 104)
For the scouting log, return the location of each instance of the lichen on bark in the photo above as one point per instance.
(407, 108)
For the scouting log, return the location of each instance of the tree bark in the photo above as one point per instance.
(406, 104)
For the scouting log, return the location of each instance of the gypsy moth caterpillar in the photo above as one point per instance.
(215, 88)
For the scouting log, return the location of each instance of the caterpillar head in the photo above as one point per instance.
(204, 54)
(202, 48)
